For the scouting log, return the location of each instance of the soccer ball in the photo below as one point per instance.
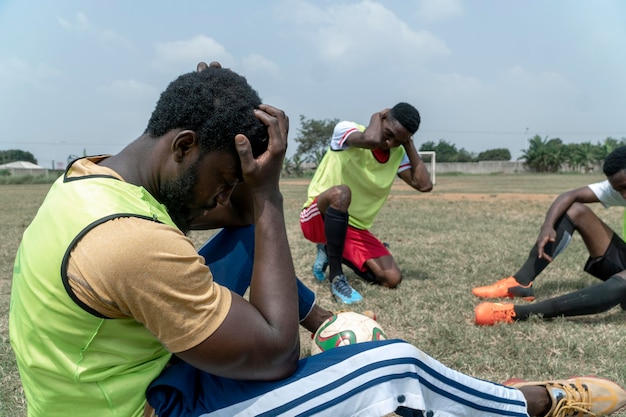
(345, 328)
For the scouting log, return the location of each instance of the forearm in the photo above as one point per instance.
(419, 178)
(273, 289)
(372, 136)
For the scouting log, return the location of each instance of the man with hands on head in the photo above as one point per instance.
(107, 263)
(349, 188)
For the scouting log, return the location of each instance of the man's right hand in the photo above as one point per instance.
(262, 174)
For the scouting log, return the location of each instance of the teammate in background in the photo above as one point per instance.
(106, 286)
(607, 255)
(349, 188)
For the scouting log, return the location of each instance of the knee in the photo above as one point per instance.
(391, 279)
(340, 197)
(577, 212)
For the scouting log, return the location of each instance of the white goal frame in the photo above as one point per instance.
(433, 163)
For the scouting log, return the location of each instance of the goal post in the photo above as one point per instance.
(430, 166)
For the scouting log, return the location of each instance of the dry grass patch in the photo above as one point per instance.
(470, 230)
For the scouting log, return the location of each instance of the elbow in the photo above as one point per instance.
(283, 367)
(427, 189)
(424, 188)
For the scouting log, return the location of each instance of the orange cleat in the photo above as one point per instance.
(505, 288)
(488, 314)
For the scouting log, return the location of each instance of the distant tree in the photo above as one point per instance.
(543, 155)
(580, 156)
(447, 152)
(13, 155)
(293, 166)
(498, 154)
(313, 138)
(603, 149)
(465, 156)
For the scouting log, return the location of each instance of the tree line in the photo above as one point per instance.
(542, 155)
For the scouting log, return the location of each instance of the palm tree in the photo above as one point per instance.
(543, 155)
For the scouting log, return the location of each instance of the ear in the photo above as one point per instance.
(184, 145)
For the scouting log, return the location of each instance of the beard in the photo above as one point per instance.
(177, 194)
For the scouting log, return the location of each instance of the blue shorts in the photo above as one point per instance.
(230, 255)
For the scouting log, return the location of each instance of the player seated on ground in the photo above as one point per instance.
(349, 188)
(107, 287)
(607, 255)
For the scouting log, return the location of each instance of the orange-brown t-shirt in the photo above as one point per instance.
(132, 267)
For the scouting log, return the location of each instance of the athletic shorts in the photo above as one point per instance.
(360, 245)
(230, 256)
(612, 262)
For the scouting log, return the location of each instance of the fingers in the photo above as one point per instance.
(203, 65)
(245, 152)
(277, 124)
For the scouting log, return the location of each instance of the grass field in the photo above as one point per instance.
(469, 230)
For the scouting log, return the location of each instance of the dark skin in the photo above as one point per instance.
(383, 132)
(595, 233)
(259, 338)
(238, 211)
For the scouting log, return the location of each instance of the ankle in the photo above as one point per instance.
(538, 401)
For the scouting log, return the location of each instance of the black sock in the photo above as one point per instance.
(336, 228)
(367, 275)
(534, 265)
(592, 300)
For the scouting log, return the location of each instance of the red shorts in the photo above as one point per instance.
(360, 244)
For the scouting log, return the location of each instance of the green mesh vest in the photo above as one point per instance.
(73, 362)
(369, 180)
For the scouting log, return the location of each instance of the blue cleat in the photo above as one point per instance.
(343, 292)
(321, 263)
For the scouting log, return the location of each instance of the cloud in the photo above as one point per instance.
(79, 23)
(258, 63)
(17, 71)
(348, 36)
(176, 55)
(128, 89)
(82, 25)
(439, 9)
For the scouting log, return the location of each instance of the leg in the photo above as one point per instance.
(367, 379)
(323, 222)
(595, 234)
(333, 204)
(386, 270)
(370, 259)
(230, 255)
(592, 300)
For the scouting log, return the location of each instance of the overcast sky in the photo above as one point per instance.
(83, 76)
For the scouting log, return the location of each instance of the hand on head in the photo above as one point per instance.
(266, 168)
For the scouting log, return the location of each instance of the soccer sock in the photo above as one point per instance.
(595, 299)
(367, 275)
(534, 265)
(336, 228)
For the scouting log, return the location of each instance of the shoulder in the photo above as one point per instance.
(605, 193)
(341, 132)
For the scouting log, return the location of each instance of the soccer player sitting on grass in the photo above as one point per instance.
(349, 188)
(107, 288)
(607, 255)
